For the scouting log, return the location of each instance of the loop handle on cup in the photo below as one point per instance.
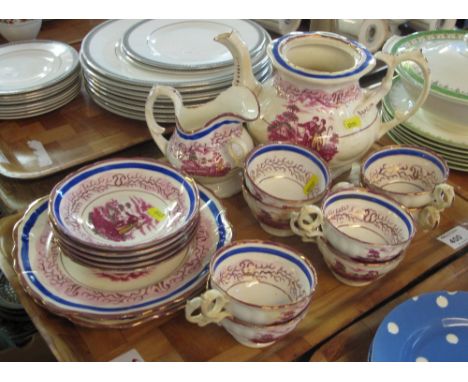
(443, 196)
(307, 223)
(211, 305)
(429, 217)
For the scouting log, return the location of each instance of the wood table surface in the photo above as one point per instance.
(335, 307)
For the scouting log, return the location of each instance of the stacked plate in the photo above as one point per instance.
(430, 327)
(119, 243)
(441, 124)
(426, 130)
(123, 59)
(37, 77)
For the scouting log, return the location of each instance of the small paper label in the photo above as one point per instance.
(456, 238)
(156, 213)
(130, 356)
(312, 182)
(352, 122)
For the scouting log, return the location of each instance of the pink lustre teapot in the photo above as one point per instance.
(314, 97)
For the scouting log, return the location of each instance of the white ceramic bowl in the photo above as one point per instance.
(445, 51)
(354, 272)
(124, 205)
(408, 174)
(17, 30)
(283, 174)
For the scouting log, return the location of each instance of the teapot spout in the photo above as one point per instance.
(243, 75)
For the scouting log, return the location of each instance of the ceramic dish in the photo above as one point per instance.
(354, 272)
(360, 223)
(31, 65)
(410, 175)
(424, 123)
(254, 283)
(101, 51)
(445, 51)
(452, 163)
(286, 175)
(38, 267)
(124, 204)
(429, 327)
(187, 44)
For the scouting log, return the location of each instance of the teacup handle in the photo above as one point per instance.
(428, 217)
(392, 61)
(155, 128)
(236, 157)
(211, 305)
(443, 196)
(307, 223)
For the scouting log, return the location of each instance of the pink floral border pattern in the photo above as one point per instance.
(74, 201)
(48, 264)
(415, 174)
(315, 97)
(203, 158)
(368, 217)
(268, 166)
(266, 272)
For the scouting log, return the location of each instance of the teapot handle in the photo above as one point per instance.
(392, 61)
(156, 129)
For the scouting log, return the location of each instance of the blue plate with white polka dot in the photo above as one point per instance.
(430, 327)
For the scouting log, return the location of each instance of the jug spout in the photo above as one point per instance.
(243, 75)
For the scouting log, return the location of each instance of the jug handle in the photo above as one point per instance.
(375, 96)
(156, 129)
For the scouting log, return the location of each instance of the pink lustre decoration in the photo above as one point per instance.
(117, 221)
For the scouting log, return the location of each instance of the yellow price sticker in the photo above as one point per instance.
(311, 183)
(353, 122)
(156, 213)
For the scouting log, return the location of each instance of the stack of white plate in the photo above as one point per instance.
(123, 59)
(441, 124)
(37, 77)
(119, 243)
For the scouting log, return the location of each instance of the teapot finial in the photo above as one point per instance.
(243, 75)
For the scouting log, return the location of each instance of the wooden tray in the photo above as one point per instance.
(76, 133)
(334, 307)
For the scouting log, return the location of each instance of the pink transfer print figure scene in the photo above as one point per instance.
(117, 221)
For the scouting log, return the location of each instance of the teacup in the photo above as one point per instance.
(354, 272)
(255, 283)
(259, 336)
(274, 220)
(360, 223)
(413, 176)
(283, 174)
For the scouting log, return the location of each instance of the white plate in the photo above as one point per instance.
(41, 275)
(28, 113)
(424, 123)
(188, 44)
(31, 65)
(101, 51)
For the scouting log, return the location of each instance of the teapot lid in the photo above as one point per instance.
(321, 56)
